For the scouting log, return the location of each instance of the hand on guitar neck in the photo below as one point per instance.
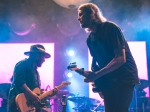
(89, 75)
(55, 91)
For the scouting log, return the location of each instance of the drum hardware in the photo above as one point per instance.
(58, 99)
(135, 96)
(143, 84)
(4, 90)
(4, 105)
(83, 99)
(99, 107)
(140, 101)
(63, 92)
(64, 103)
(83, 104)
(47, 103)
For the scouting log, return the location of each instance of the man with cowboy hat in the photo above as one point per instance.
(26, 77)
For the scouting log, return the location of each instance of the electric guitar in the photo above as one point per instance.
(27, 106)
(73, 67)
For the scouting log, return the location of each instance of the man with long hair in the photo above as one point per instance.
(114, 71)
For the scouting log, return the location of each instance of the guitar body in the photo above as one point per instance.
(21, 102)
(26, 106)
(98, 85)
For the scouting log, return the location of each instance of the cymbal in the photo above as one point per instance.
(63, 92)
(66, 92)
(84, 99)
(143, 84)
(73, 94)
(94, 100)
(54, 97)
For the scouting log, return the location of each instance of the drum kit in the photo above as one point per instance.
(82, 103)
(140, 103)
(4, 90)
(85, 104)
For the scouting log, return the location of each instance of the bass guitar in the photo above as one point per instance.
(27, 106)
(73, 67)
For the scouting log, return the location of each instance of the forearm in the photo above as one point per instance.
(110, 67)
(30, 95)
(25, 89)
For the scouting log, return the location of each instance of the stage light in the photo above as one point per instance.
(71, 53)
(71, 4)
(69, 74)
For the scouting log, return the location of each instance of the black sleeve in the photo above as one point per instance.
(88, 41)
(19, 74)
(116, 37)
(94, 66)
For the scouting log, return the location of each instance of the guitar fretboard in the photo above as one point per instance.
(50, 92)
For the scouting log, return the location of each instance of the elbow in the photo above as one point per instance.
(19, 83)
(124, 59)
(121, 61)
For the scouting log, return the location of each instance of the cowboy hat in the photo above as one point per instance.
(37, 48)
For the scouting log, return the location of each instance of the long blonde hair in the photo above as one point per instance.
(94, 11)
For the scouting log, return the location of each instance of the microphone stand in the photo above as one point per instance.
(95, 109)
(64, 103)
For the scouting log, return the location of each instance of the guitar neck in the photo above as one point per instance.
(73, 67)
(49, 92)
(81, 72)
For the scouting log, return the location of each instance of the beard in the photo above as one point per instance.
(83, 25)
(39, 64)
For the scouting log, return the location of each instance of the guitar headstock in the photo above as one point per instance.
(66, 83)
(72, 66)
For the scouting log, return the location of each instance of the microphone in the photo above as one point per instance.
(64, 103)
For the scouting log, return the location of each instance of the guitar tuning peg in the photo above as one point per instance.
(73, 63)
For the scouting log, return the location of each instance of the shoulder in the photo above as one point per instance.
(111, 25)
(21, 63)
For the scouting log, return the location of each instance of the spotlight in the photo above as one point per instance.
(69, 74)
(71, 53)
